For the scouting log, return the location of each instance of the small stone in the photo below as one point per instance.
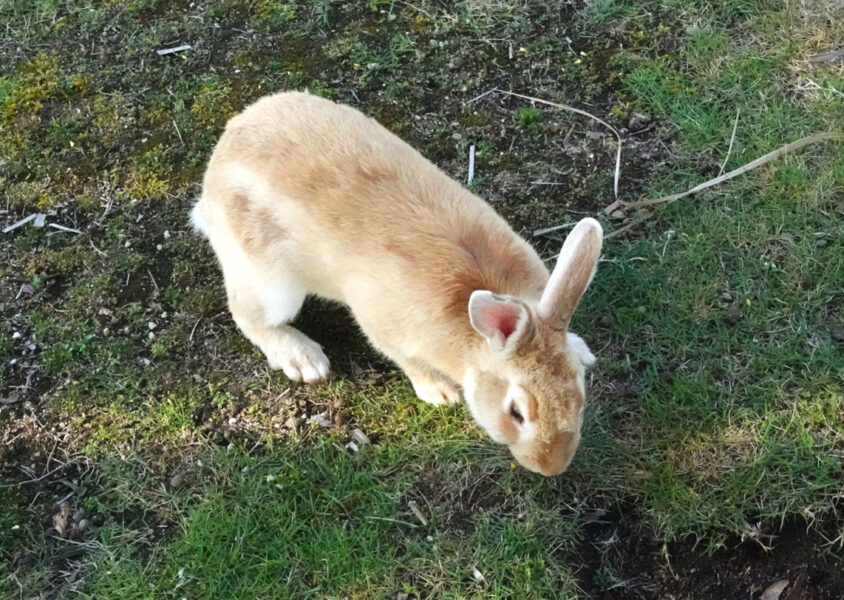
(606, 321)
(176, 480)
(322, 420)
(152, 325)
(360, 437)
(732, 315)
(638, 121)
(837, 333)
(291, 423)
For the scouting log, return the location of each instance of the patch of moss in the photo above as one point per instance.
(212, 106)
(528, 118)
(38, 80)
(274, 14)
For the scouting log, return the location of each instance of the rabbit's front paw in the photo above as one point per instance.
(435, 390)
(300, 359)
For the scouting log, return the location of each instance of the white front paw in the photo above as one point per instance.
(437, 392)
(302, 361)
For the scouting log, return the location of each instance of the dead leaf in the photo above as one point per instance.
(61, 520)
(775, 590)
(796, 592)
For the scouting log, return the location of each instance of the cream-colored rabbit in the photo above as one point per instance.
(305, 196)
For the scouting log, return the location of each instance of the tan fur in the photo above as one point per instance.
(303, 195)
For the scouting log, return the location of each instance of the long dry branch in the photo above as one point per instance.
(791, 147)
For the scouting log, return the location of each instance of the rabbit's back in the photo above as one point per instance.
(340, 198)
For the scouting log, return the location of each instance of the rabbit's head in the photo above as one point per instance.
(527, 386)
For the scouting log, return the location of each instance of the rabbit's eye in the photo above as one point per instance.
(517, 416)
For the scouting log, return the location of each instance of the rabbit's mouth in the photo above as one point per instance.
(551, 458)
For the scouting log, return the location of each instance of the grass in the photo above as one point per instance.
(715, 410)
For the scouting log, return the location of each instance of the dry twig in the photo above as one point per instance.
(792, 147)
(545, 230)
(730, 148)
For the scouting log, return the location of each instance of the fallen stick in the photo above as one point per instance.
(792, 147)
(637, 221)
(418, 513)
(479, 96)
(732, 139)
(827, 56)
(63, 228)
(165, 51)
(545, 230)
(20, 223)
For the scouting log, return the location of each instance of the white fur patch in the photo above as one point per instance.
(197, 220)
(580, 350)
(583, 358)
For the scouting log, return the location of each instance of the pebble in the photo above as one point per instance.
(732, 315)
(359, 436)
(638, 121)
(322, 420)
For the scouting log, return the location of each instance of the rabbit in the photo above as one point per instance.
(306, 196)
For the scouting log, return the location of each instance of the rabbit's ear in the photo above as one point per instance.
(502, 320)
(572, 274)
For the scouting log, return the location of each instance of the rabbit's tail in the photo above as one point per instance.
(197, 219)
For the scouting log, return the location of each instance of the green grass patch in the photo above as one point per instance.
(715, 408)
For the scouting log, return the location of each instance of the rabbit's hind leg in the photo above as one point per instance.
(263, 312)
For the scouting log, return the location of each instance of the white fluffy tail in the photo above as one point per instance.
(197, 219)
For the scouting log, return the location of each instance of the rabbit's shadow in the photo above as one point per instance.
(332, 325)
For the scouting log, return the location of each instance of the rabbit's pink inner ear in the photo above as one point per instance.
(500, 319)
(503, 318)
(573, 273)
